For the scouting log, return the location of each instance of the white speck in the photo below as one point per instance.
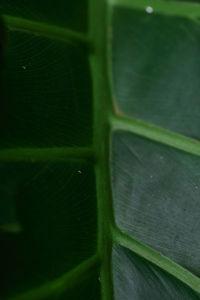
(24, 67)
(79, 172)
(151, 176)
(196, 187)
(149, 9)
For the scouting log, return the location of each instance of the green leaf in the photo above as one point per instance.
(142, 280)
(99, 153)
(157, 185)
(161, 72)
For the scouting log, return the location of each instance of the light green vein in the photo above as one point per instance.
(171, 8)
(46, 30)
(156, 133)
(46, 154)
(156, 258)
(99, 59)
(70, 280)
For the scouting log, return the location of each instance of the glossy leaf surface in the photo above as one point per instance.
(142, 280)
(97, 201)
(156, 73)
(157, 185)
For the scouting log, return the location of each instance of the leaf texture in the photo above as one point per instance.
(50, 72)
(156, 73)
(157, 185)
(99, 150)
(137, 279)
(66, 13)
(50, 214)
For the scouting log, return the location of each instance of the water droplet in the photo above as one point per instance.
(79, 172)
(149, 9)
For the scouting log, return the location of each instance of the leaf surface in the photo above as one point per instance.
(99, 153)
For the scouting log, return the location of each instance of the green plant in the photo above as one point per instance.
(99, 151)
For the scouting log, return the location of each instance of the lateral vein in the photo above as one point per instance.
(170, 8)
(46, 154)
(155, 133)
(46, 30)
(65, 282)
(156, 258)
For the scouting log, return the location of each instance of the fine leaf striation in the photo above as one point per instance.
(99, 150)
